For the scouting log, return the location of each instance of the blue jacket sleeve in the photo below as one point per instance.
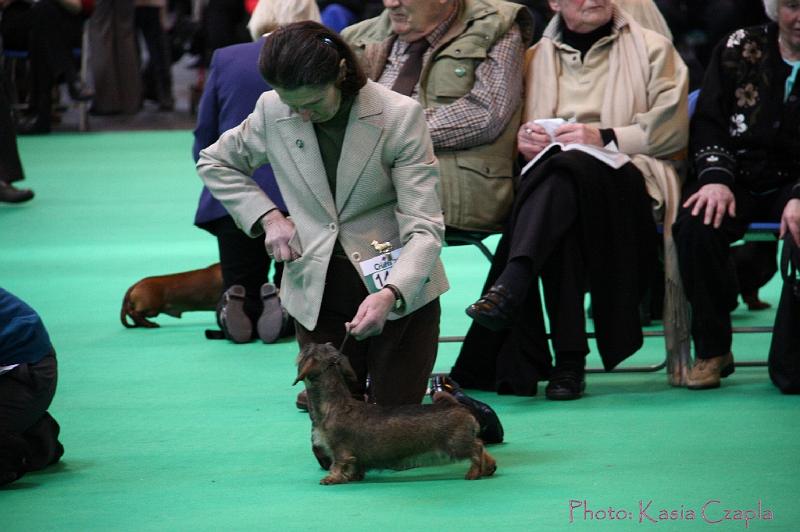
(206, 132)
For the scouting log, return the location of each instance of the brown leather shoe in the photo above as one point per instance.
(707, 372)
(495, 309)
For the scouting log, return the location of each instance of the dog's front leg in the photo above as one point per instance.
(343, 470)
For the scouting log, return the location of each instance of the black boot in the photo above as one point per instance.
(567, 381)
(33, 125)
(10, 194)
(491, 430)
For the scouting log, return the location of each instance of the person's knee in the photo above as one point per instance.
(692, 234)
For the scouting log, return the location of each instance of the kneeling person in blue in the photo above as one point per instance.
(28, 374)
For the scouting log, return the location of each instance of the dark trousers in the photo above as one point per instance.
(398, 361)
(244, 261)
(708, 273)
(10, 165)
(25, 394)
(114, 59)
(756, 263)
(225, 24)
(48, 32)
(546, 232)
(158, 74)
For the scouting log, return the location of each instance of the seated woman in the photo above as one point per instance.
(577, 222)
(48, 30)
(745, 141)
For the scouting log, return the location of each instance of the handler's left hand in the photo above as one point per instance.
(790, 220)
(371, 315)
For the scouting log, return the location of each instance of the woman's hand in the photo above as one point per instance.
(790, 220)
(278, 230)
(574, 133)
(371, 314)
(716, 199)
(531, 139)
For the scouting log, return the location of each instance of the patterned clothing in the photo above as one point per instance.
(399, 53)
(743, 131)
(482, 115)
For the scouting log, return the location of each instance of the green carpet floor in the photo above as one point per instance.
(164, 430)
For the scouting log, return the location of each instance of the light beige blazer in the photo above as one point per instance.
(387, 190)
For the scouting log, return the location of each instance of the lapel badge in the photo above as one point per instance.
(381, 248)
(460, 71)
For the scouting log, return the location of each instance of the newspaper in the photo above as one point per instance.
(608, 154)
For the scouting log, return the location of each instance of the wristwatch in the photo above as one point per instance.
(398, 297)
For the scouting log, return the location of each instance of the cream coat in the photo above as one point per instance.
(644, 100)
(387, 190)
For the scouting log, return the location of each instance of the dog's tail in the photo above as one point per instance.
(127, 311)
(442, 397)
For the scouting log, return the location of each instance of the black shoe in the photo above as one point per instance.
(166, 104)
(33, 125)
(491, 430)
(79, 92)
(565, 385)
(11, 194)
(232, 318)
(494, 310)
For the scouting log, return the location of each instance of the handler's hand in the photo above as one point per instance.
(716, 199)
(790, 220)
(574, 133)
(371, 315)
(531, 139)
(278, 230)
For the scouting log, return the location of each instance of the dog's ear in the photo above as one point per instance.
(303, 370)
(305, 362)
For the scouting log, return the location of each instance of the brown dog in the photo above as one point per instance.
(358, 436)
(171, 294)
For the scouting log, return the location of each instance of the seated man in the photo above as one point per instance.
(470, 88)
(28, 374)
(744, 142)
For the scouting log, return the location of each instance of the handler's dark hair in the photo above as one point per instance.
(308, 54)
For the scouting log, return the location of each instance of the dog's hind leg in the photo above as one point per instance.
(483, 465)
(488, 464)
